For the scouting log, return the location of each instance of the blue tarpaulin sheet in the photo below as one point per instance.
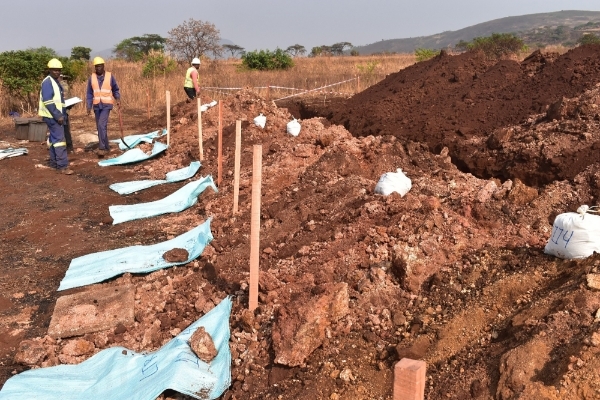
(120, 374)
(178, 201)
(97, 267)
(133, 155)
(134, 140)
(173, 176)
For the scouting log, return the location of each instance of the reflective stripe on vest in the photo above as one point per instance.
(56, 100)
(102, 94)
(188, 83)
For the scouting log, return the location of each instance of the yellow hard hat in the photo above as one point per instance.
(98, 60)
(54, 63)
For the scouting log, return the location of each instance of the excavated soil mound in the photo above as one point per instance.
(454, 100)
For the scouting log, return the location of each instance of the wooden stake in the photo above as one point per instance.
(220, 146)
(357, 83)
(409, 380)
(148, 96)
(269, 93)
(236, 172)
(200, 150)
(255, 225)
(168, 95)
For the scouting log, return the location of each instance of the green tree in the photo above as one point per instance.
(194, 38)
(354, 53)
(233, 49)
(266, 60)
(80, 53)
(589, 38)
(137, 47)
(296, 50)
(337, 49)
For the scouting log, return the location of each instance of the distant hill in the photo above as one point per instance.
(537, 30)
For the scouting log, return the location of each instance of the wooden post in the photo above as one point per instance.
(269, 93)
(357, 83)
(236, 172)
(200, 150)
(220, 146)
(409, 380)
(168, 95)
(255, 225)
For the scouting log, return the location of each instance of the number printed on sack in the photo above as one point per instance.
(559, 235)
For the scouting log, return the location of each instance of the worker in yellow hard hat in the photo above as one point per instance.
(51, 109)
(102, 93)
(191, 83)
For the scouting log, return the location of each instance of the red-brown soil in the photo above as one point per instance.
(453, 273)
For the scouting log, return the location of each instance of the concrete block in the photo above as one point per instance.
(409, 379)
(92, 311)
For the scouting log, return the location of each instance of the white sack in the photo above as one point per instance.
(574, 235)
(393, 182)
(293, 127)
(261, 120)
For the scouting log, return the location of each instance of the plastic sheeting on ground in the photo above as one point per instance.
(205, 107)
(133, 155)
(118, 373)
(178, 201)
(97, 267)
(173, 176)
(134, 140)
(10, 152)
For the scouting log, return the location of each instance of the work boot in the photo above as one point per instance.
(101, 153)
(66, 171)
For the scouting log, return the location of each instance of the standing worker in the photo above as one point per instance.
(51, 109)
(191, 85)
(101, 89)
(67, 124)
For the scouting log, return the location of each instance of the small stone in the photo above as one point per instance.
(78, 347)
(203, 345)
(18, 295)
(593, 281)
(595, 341)
(346, 375)
(176, 255)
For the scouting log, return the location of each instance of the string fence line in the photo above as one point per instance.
(302, 91)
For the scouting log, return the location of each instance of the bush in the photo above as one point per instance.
(425, 54)
(497, 45)
(266, 60)
(22, 72)
(589, 38)
(158, 62)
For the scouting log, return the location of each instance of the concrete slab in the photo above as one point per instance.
(92, 311)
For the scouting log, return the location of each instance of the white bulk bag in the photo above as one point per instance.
(575, 235)
(293, 127)
(393, 182)
(261, 120)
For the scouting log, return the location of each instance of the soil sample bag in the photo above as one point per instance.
(393, 182)
(261, 120)
(575, 235)
(293, 127)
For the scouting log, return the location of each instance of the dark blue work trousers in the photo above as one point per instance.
(57, 144)
(102, 126)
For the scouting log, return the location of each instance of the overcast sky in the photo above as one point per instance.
(253, 24)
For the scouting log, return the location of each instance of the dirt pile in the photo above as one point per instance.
(452, 273)
(459, 101)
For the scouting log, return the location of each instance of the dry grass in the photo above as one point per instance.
(308, 73)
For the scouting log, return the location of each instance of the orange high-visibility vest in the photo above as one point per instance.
(102, 94)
